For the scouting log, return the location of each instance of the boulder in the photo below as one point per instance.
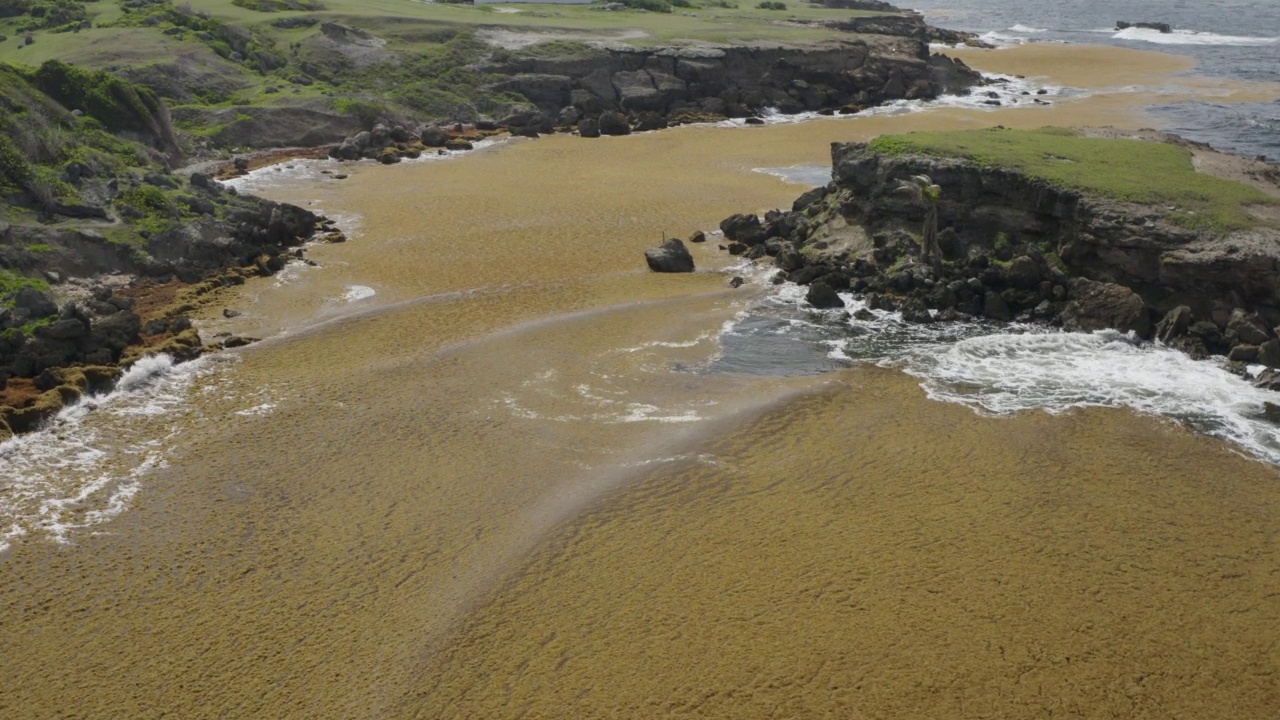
(743, 227)
(1243, 353)
(995, 308)
(1271, 412)
(1023, 273)
(433, 136)
(789, 259)
(649, 120)
(589, 128)
(670, 257)
(1098, 306)
(613, 123)
(1248, 327)
(1269, 353)
(914, 311)
(36, 303)
(821, 295)
(1174, 325)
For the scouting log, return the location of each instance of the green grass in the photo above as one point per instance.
(1134, 171)
(232, 53)
(11, 282)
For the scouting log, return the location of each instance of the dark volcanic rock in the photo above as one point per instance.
(670, 257)
(1164, 28)
(744, 228)
(1098, 306)
(821, 295)
(588, 128)
(612, 123)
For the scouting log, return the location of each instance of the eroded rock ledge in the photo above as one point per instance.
(652, 88)
(53, 353)
(1018, 247)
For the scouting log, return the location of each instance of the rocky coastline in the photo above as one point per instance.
(93, 307)
(101, 206)
(618, 90)
(1016, 247)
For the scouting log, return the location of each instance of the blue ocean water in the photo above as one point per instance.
(1238, 39)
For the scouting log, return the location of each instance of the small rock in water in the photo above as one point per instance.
(822, 295)
(670, 257)
(1271, 411)
(737, 282)
(229, 313)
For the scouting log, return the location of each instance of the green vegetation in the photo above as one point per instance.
(54, 15)
(118, 105)
(1126, 170)
(279, 5)
(772, 5)
(659, 6)
(42, 144)
(404, 58)
(12, 282)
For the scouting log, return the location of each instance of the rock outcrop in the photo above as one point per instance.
(1017, 247)
(887, 58)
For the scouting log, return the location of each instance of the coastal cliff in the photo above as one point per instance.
(710, 82)
(1178, 254)
(104, 250)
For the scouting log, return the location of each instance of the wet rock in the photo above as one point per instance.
(1098, 306)
(698, 236)
(1248, 327)
(1161, 27)
(789, 259)
(995, 308)
(1271, 412)
(743, 227)
(1269, 353)
(670, 257)
(433, 136)
(823, 296)
(589, 128)
(613, 123)
(1174, 325)
(914, 311)
(1243, 353)
(737, 282)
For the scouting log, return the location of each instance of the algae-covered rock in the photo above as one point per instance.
(30, 417)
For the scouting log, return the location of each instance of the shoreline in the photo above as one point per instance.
(862, 549)
(1017, 61)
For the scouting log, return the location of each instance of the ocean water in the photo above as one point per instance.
(1000, 369)
(1237, 39)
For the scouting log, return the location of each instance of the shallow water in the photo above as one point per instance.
(1237, 40)
(528, 478)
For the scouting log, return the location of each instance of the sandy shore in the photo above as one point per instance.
(486, 492)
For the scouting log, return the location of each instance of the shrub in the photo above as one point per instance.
(278, 5)
(772, 5)
(660, 6)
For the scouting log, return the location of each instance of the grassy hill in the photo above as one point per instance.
(390, 58)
